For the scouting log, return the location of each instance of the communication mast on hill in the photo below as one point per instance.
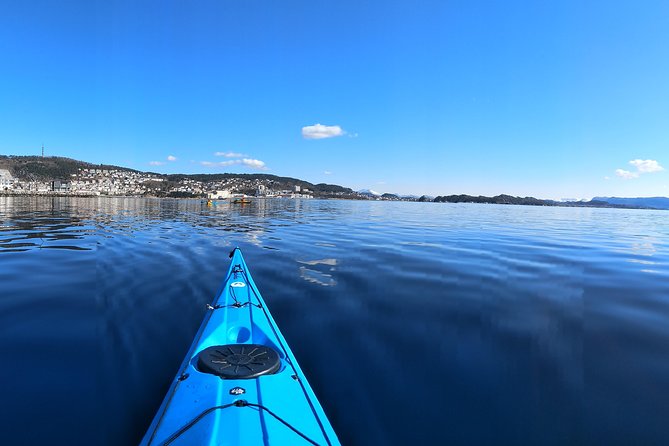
(42, 150)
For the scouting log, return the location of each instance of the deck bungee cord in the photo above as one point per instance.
(238, 403)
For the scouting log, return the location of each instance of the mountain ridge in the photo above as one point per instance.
(646, 202)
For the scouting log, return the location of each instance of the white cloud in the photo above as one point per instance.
(156, 163)
(320, 131)
(171, 158)
(248, 162)
(647, 166)
(642, 167)
(626, 174)
(327, 172)
(254, 164)
(230, 154)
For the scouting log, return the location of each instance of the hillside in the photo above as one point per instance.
(277, 181)
(37, 168)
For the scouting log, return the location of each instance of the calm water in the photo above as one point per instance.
(414, 322)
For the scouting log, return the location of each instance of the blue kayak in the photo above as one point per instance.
(240, 384)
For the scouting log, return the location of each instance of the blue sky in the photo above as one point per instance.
(550, 99)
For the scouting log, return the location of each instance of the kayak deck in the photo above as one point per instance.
(240, 383)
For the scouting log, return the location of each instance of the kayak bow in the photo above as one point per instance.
(240, 384)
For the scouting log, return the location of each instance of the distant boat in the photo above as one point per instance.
(241, 201)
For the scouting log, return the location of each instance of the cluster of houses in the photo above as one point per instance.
(95, 182)
(85, 182)
(262, 191)
(112, 182)
(296, 192)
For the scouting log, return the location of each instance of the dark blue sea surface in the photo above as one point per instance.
(415, 323)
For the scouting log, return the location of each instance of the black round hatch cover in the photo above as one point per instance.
(239, 361)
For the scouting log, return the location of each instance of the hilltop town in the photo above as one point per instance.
(33, 175)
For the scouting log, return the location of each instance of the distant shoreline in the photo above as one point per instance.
(598, 205)
(64, 177)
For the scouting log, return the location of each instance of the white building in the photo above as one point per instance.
(218, 194)
(261, 191)
(6, 179)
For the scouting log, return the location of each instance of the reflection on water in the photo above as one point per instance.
(315, 276)
(414, 322)
(44, 227)
(330, 262)
(318, 274)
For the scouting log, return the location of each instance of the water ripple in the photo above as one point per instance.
(544, 325)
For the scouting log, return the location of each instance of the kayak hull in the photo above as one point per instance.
(208, 406)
